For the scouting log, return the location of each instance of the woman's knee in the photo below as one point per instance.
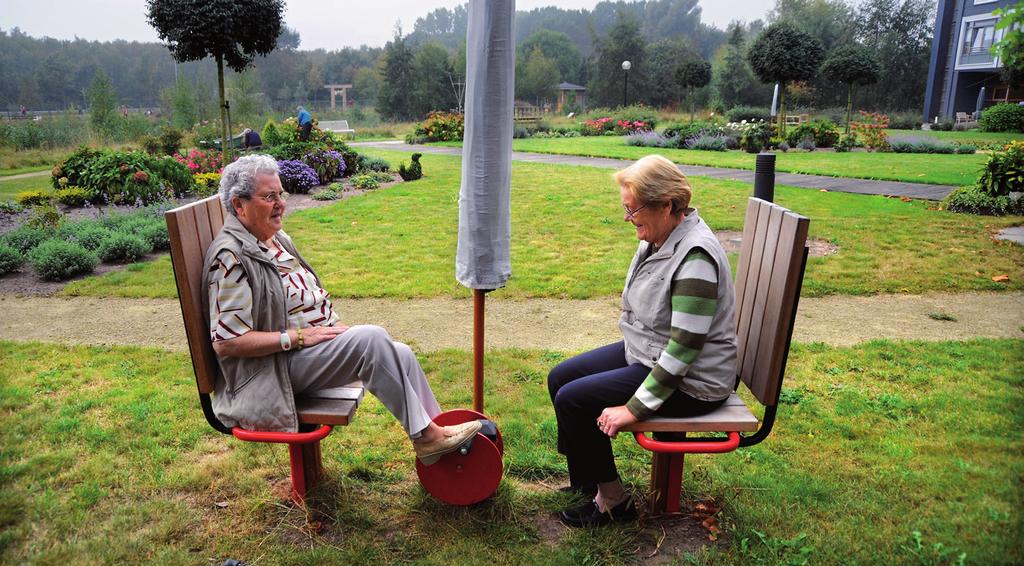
(370, 337)
(560, 375)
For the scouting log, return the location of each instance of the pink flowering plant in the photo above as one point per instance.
(626, 127)
(200, 161)
(597, 126)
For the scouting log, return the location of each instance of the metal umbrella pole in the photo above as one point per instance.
(483, 260)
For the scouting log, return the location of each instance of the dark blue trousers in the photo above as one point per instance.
(583, 386)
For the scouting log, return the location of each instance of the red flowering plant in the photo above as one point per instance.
(199, 161)
(626, 127)
(870, 130)
(597, 126)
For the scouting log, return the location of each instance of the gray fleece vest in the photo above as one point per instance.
(646, 320)
(255, 393)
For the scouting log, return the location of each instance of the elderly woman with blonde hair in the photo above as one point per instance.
(677, 357)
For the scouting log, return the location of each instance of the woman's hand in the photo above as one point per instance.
(313, 335)
(614, 418)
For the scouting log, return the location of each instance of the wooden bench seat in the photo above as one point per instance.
(733, 416)
(333, 407)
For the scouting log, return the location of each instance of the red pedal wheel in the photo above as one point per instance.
(460, 479)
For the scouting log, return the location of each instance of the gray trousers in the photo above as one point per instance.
(388, 369)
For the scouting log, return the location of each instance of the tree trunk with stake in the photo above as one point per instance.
(849, 106)
(223, 111)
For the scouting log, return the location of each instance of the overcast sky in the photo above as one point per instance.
(327, 25)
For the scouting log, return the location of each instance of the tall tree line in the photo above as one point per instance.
(584, 47)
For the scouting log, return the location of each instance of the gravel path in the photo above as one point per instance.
(566, 325)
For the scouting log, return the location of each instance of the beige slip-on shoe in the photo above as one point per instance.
(430, 452)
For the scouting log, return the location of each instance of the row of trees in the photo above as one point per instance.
(423, 70)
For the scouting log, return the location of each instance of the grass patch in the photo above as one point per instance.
(943, 316)
(9, 188)
(569, 240)
(965, 137)
(912, 168)
(883, 453)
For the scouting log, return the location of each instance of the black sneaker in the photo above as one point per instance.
(587, 514)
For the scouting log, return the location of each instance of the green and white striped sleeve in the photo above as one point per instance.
(694, 301)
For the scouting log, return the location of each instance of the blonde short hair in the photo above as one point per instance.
(656, 180)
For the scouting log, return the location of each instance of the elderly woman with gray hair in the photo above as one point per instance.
(276, 334)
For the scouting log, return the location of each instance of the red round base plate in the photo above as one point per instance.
(464, 480)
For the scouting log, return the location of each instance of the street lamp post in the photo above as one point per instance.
(626, 66)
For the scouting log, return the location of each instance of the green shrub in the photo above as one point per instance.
(373, 164)
(293, 151)
(271, 135)
(87, 233)
(155, 233)
(687, 130)
(56, 260)
(73, 167)
(174, 173)
(72, 196)
(1002, 118)
(34, 198)
(10, 259)
(365, 182)
(1004, 171)
(748, 113)
(25, 237)
(637, 113)
(170, 139)
(943, 125)
(966, 149)
(974, 200)
(10, 207)
(822, 132)
(442, 126)
(121, 247)
(150, 144)
(326, 194)
(415, 170)
(920, 145)
(45, 216)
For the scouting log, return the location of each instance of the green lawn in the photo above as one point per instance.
(967, 137)
(106, 459)
(9, 188)
(569, 240)
(912, 168)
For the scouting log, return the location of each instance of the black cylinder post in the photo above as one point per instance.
(764, 177)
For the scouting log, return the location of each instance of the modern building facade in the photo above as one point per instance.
(963, 74)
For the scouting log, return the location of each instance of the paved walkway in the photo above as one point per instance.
(439, 323)
(25, 175)
(840, 184)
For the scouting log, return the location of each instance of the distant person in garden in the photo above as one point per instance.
(251, 140)
(677, 357)
(276, 334)
(24, 110)
(305, 123)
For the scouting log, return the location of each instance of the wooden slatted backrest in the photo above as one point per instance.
(768, 282)
(191, 228)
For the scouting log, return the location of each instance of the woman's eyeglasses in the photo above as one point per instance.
(631, 213)
(273, 197)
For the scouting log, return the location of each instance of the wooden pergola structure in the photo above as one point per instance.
(335, 89)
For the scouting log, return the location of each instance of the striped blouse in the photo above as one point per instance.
(694, 301)
(231, 297)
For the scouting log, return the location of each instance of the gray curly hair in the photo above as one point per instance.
(239, 178)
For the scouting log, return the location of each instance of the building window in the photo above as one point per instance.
(979, 36)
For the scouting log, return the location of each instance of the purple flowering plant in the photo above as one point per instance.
(297, 177)
(327, 163)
